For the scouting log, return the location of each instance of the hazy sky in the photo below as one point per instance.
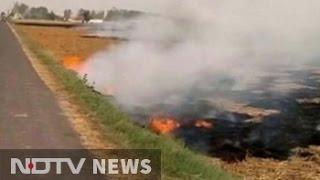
(60, 5)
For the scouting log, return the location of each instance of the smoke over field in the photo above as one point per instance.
(201, 46)
(184, 62)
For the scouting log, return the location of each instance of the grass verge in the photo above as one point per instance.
(178, 162)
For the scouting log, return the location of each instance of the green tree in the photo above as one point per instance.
(97, 15)
(67, 14)
(51, 16)
(20, 8)
(84, 15)
(40, 13)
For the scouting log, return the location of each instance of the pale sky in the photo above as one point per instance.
(59, 5)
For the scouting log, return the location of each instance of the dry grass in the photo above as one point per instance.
(305, 165)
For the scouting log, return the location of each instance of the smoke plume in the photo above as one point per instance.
(199, 49)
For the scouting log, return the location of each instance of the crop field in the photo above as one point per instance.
(70, 45)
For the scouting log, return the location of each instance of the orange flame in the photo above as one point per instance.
(72, 62)
(203, 124)
(163, 125)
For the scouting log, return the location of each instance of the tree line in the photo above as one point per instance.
(23, 11)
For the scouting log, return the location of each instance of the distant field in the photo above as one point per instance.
(47, 23)
(63, 42)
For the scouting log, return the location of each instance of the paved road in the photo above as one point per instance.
(29, 114)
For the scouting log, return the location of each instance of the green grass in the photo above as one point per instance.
(178, 162)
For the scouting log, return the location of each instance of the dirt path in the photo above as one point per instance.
(29, 114)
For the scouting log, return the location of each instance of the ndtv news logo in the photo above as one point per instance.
(99, 166)
(80, 164)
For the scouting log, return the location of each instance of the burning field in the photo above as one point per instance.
(248, 95)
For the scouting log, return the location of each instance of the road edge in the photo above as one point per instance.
(89, 130)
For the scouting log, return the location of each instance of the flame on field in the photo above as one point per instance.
(205, 124)
(163, 125)
(72, 62)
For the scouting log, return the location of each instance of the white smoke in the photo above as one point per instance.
(199, 44)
